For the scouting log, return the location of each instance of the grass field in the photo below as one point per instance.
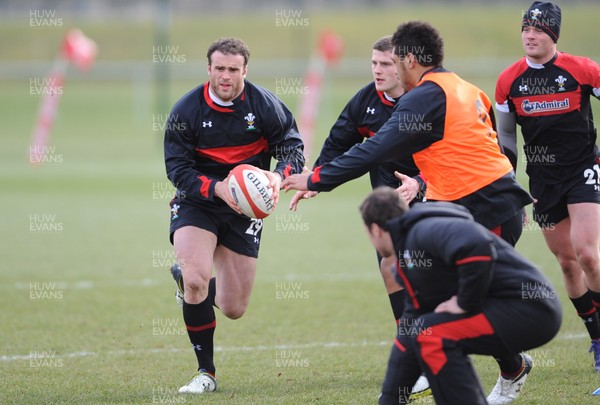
(88, 311)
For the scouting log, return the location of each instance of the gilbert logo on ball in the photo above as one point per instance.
(249, 187)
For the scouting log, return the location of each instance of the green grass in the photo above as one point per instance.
(107, 319)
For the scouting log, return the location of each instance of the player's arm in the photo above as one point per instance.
(343, 135)
(588, 75)
(179, 152)
(395, 140)
(505, 120)
(285, 143)
(507, 134)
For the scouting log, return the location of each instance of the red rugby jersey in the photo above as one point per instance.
(204, 140)
(552, 105)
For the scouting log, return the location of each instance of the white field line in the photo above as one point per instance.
(42, 355)
(167, 280)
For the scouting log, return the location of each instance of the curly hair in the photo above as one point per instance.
(229, 46)
(421, 40)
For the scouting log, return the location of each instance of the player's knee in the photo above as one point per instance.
(234, 311)
(195, 289)
(568, 264)
(588, 258)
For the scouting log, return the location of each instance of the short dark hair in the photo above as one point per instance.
(381, 205)
(384, 44)
(420, 39)
(229, 46)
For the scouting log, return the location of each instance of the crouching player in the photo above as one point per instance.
(469, 292)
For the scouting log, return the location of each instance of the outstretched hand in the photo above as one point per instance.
(297, 181)
(409, 187)
(299, 196)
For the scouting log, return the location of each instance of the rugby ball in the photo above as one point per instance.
(249, 188)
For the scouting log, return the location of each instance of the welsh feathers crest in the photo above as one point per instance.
(250, 121)
(561, 82)
(534, 14)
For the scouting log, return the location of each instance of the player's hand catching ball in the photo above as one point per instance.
(222, 192)
(274, 185)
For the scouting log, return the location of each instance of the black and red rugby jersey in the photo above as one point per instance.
(360, 119)
(442, 252)
(552, 106)
(204, 140)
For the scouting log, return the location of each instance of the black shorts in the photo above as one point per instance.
(496, 203)
(234, 231)
(552, 199)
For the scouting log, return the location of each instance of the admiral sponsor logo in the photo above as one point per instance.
(531, 107)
